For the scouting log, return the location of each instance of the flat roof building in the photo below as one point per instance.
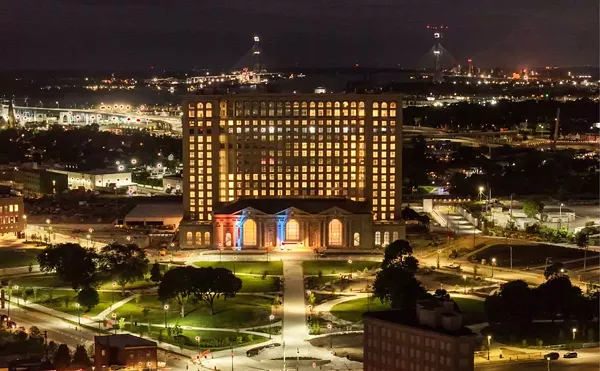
(124, 351)
(294, 147)
(98, 178)
(40, 181)
(11, 215)
(435, 340)
(155, 215)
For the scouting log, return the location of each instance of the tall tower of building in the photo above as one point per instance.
(438, 35)
(305, 171)
(256, 65)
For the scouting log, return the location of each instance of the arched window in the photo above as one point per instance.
(207, 238)
(198, 239)
(377, 238)
(292, 230)
(375, 105)
(356, 239)
(395, 236)
(383, 105)
(386, 238)
(335, 232)
(228, 239)
(249, 233)
(200, 105)
(189, 238)
(208, 105)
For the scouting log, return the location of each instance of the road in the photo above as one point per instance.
(589, 360)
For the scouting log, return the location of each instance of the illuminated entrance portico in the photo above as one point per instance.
(296, 224)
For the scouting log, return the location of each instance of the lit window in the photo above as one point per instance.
(395, 236)
(207, 238)
(386, 237)
(249, 233)
(228, 239)
(377, 238)
(292, 230)
(189, 238)
(335, 232)
(356, 239)
(198, 240)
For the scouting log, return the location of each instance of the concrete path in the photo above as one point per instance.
(113, 307)
(295, 330)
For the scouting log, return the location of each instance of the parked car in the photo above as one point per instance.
(570, 355)
(553, 356)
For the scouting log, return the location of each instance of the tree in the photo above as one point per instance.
(533, 208)
(559, 296)
(72, 263)
(178, 284)
(88, 297)
(62, 357)
(155, 273)
(212, 283)
(399, 252)
(399, 286)
(80, 358)
(126, 262)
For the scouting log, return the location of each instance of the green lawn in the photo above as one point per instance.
(38, 280)
(239, 312)
(257, 284)
(352, 310)
(213, 340)
(315, 282)
(248, 267)
(140, 284)
(312, 267)
(18, 257)
(64, 300)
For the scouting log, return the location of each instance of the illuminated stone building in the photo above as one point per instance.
(292, 171)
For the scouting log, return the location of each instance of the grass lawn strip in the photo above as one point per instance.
(274, 268)
(352, 310)
(10, 258)
(243, 311)
(326, 267)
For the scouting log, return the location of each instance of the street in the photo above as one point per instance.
(589, 360)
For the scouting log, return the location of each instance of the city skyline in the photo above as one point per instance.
(141, 34)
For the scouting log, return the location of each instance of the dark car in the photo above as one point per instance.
(570, 355)
(553, 356)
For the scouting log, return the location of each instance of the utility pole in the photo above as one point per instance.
(556, 124)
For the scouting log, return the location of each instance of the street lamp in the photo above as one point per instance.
(198, 342)
(114, 285)
(89, 237)
(560, 215)
(166, 307)
(350, 262)
(114, 317)
(465, 279)
(574, 332)
(330, 327)
(493, 263)
(548, 362)
(271, 318)
(481, 189)
(438, 259)
(78, 313)
(489, 339)
(128, 238)
(133, 161)
(234, 259)
(49, 228)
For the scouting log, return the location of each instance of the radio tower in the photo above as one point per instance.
(438, 34)
(256, 66)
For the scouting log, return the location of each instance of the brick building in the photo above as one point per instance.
(124, 351)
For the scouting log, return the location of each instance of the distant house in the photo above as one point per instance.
(124, 351)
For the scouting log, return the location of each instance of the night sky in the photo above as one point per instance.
(181, 34)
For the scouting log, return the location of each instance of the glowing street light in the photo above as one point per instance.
(481, 189)
(329, 328)
(489, 341)
(133, 161)
(271, 318)
(78, 313)
(350, 262)
(198, 342)
(166, 308)
(493, 263)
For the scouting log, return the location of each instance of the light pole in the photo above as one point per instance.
(57, 104)
(560, 214)
(89, 237)
(271, 318)
(234, 259)
(481, 189)
(465, 279)
(198, 342)
(91, 230)
(350, 262)
(114, 285)
(166, 307)
(489, 339)
(48, 222)
(493, 263)
(330, 327)
(548, 362)
(114, 317)
(574, 332)
(438, 259)
(78, 313)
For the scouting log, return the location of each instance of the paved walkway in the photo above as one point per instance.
(113, 307)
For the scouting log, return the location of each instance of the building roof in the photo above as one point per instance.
(123, 341)
(400, 318)
(309, 205)
(155, 212)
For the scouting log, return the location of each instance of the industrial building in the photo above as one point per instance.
(331, 148)
(98, 178)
